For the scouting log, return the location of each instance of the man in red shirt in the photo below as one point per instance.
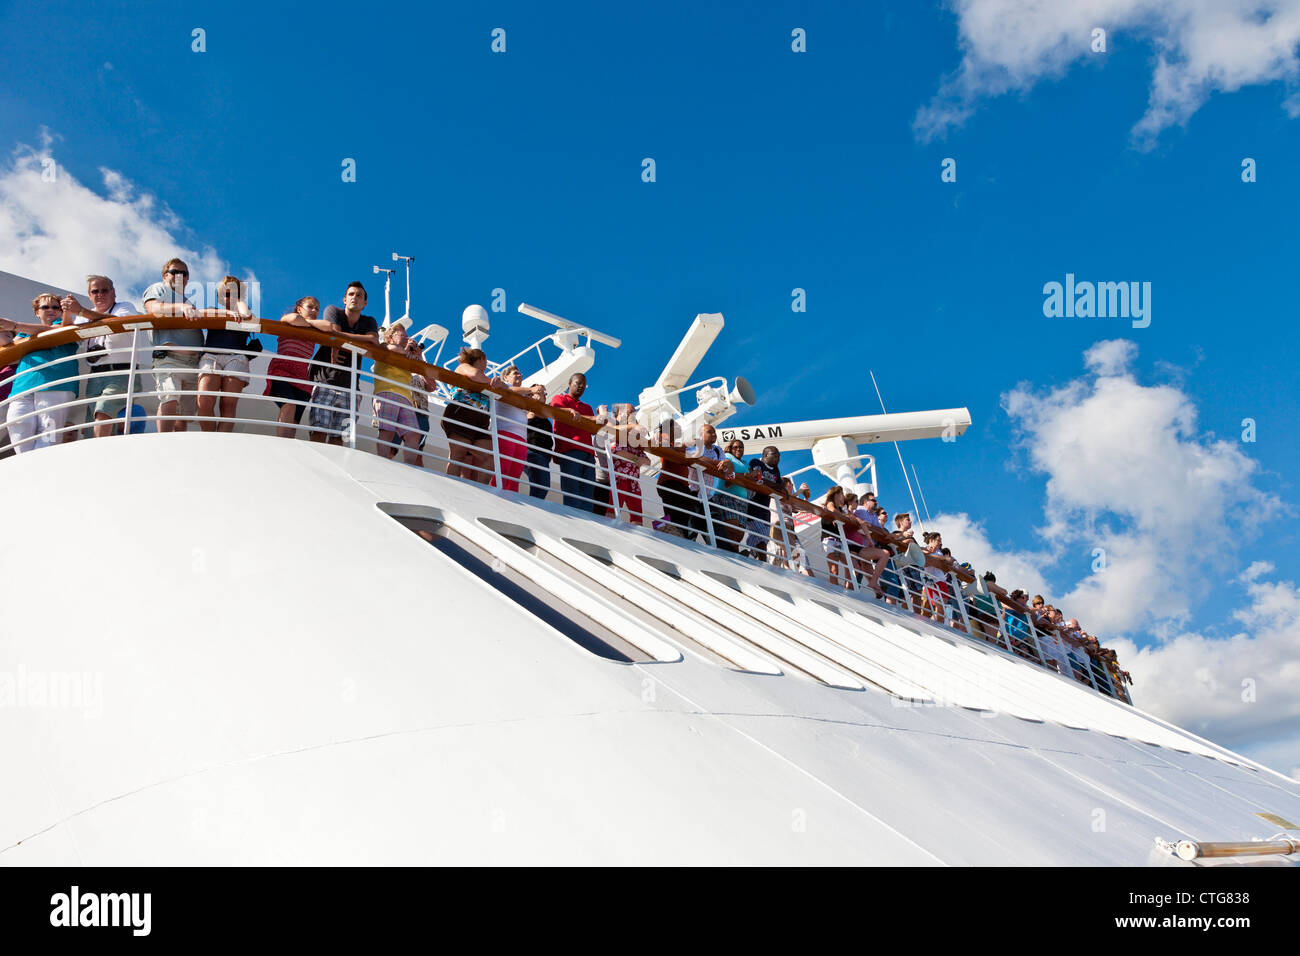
(573, 447)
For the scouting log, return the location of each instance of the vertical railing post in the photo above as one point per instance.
(785, 534)
(850, 571)
(1033, 637)
(496, 442)
(1105, 673)
(1003, 630)
(130, 385)
(613, 480)
(352, 397)
(704, 503)
(961, 602)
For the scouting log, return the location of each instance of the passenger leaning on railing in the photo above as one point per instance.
(832, 545)
(937, 592)
(176, 376)
(731, 500)
(766, 470)
(707, 448)
(34, 418)
(420, 402)
(332, 408)
(541, 443)
(224, 373)
(512, 426)
(110, 353)
(573, 447)
(288, 376)
(628, 449)
(796, 560)
(673, 485)
(392, 398)
(467, 422)
(868, 559)
(601, 491)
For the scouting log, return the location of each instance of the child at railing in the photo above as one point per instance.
(288, 376)
(628, 450)
(392, 398)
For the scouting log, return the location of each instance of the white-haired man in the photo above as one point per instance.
(109, 357)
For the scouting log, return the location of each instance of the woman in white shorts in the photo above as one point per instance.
(224, 374)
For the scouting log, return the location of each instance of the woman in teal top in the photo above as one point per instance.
(34, 417)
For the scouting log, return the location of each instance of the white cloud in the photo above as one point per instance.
(1242, 691)
(1110, 357)
(968, 541)
(1129, 473)
(1200, 47)
(1127, 470)
(58, 231)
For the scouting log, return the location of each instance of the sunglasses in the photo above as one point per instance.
(177, 272)
(100, 291)
(56, 307)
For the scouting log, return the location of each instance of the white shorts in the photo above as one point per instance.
(225, 365)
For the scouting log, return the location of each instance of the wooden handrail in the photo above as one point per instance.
(61, 335)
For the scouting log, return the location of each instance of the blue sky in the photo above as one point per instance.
(775, 170)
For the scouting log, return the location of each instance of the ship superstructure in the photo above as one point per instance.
(240, 648)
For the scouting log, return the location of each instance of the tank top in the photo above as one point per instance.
(290, 362)
(392, 374)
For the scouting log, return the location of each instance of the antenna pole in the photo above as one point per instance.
(907, 480)
(388, 280)
(921, 492)
(408, 260)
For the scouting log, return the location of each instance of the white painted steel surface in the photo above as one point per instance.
(288, 675)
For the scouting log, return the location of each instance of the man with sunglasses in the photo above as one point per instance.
(176, 351)
(110, 353)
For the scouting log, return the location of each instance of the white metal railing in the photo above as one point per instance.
(714, 513)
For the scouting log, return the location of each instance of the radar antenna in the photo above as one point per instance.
(714, 402)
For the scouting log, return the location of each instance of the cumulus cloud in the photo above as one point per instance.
(56, 229)
(1199, 47)
(1129, 472)
(1110, 357)
(1130, 475)
(1242, 691)
(969, 541)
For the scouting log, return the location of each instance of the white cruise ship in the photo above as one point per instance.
(238, 648)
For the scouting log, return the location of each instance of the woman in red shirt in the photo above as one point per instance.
(288, 377)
